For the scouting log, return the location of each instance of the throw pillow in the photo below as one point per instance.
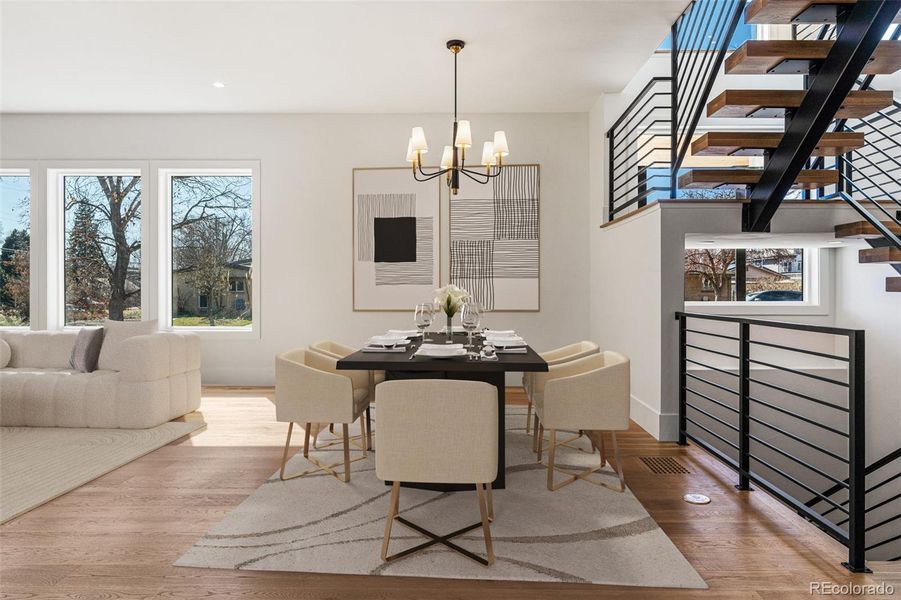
(6, 353)
(86, 351)
(116, 332)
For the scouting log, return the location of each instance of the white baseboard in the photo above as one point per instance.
(646, 417)
(251, 376)
(663, 426)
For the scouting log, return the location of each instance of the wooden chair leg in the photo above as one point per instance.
(529, 418)
(602, 448)
(619, 467)
(486, 523)
(346, 453)
(392, 512)
(535, 433)
(306, 440)
(281, 472)
(540, 442)
(552, 447)
(490, 496)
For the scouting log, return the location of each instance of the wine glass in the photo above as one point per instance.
(470, 316)
(422, 317)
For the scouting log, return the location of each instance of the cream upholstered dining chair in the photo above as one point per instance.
(590, 394)
(556, 357)
(438, 431)
(337, 350)
(308, 390)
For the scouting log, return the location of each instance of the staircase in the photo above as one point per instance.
(819, 120)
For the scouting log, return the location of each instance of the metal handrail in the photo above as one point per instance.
(706, 428)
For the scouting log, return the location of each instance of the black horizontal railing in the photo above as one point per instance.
(649, 141)
(868, 176)
(883, 511)
(639, 148)
(788, 417)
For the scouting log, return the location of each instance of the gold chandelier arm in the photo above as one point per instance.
(428, 176)
(477, 175)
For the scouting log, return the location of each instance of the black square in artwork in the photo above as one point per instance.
(395, 239)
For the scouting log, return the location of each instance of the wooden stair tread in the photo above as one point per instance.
(728, 143)
(756, 57)
(716, 178)
(744, 103)
(778, 12)
(893, 284)
(884, 254)
(864, 230)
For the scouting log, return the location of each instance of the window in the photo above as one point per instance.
(743, 33)
(770, 275)
(211, 247)
(101, 248)
(15, 246)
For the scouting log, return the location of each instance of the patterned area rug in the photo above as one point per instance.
(580, 534)
(38, 464)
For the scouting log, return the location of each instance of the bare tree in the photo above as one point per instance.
(117, 200)
(713, 266)
(208, 248)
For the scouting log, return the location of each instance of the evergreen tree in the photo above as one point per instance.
(87, 273)
(14, 267)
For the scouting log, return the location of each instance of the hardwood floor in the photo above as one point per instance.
(118, 536)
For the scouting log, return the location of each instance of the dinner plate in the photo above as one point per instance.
(508, 343)
(442, 353)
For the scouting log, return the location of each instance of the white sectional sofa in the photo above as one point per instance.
(158, 379)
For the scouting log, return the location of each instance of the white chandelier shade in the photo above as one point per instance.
(453, 158)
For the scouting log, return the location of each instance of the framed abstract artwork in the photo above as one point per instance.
(396, 239)
(495, 250)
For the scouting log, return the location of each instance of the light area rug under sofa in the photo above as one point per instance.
(580, 534)
(38, 464)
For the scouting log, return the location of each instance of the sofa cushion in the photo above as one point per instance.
(5, 353)
(86, 351)
(40, 349)
(59, 398)
(115, 333)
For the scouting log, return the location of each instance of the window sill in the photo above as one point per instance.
(219, 333)
(757, 308)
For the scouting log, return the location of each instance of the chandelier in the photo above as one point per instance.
(453, 159)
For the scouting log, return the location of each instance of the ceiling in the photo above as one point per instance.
(288, 56)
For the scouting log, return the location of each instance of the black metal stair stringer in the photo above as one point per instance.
(856, 41)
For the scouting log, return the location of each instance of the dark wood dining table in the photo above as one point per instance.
(399, 365)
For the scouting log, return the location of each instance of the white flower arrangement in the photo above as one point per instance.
(451, 298)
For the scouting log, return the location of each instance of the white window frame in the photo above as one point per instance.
(54, 219)
(818, 268)
(165, 170)
(28, 169)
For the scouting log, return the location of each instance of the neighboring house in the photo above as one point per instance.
(233, 303)
(699, 289)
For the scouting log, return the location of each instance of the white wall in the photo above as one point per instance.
(861, 302)
(306, 163)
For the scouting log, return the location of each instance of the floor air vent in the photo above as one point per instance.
(664, 465)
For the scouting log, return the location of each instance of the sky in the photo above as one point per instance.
(13, 190)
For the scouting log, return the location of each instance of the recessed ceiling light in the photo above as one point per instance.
(707, 242)
(218, 84)
(835, 242)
